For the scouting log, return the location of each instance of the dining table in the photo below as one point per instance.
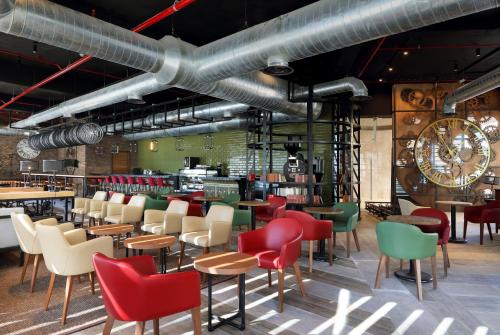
(453, 206)
(252, 204)
(409, 275)
(322, 212)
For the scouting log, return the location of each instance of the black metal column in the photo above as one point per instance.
(310, 148)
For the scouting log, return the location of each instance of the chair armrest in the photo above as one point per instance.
(219, 232)
(114, 209)
(80, 255)
(490, 215)
(131, 214)
(46, 222)
(76, 236)
(153, 216)
(290, 252)
(473, 211)
(173, 223)
(66, 226)
(252, 240)
(193, 223)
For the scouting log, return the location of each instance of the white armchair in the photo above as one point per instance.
(70, 254)
(98, 208)
(28, 240)
(209, 231)
(82, 205)
(165, 222)
(129, 213)
(407, 207)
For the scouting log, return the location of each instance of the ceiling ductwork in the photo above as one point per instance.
(348, 84)
(135, 99)
(14, 132)
(278, 66)
(481, 85)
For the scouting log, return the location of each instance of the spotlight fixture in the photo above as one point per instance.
(390, 68)
(153, 145)
(406, 52)
(478, 52)
(455, 67)
(35, 48)
(380, 80)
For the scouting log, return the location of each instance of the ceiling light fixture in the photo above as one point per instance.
(390, 69)
(455, 67)
(478, 52)
(35, 47)
(406, 52)
(380, 80)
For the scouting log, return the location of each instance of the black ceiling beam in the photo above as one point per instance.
(474, 63)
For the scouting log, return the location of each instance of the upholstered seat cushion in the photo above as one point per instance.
(151, 226)
(78, 210)
(113, 219)
(268, 259)
(199, 238)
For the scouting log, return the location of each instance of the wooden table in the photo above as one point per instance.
(409, 275)
(226, 263)
(149, 242)
(453, 204)
(112, 229)
(322, 211)
(252, 204)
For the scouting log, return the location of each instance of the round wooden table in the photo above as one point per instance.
(112, 229)
(453, 204)
(409, 274)
(252, 204)
(150, 242)
(322, 212)
(226, 263)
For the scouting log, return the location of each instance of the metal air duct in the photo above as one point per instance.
(5, 131)
(481, 85)
(347, 84)
(87, 133)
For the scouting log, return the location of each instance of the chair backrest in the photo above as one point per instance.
(152, 203)
(107, 179)
(99, 195)
(122, 180)
(26, 233)
(114, 179)
(160, 182)
(404, 241)
(350, 213)
(54, 246)
(307, 221)
(130, 180)
(178, 207)
(220, 213)
(151, 181)
(281, 231)
(406, 206)
(137, 201)
(140, 181)
(198, 194)
(493, 204)
(117, 198)
(231, 198)
(442, 229)
(277, 201)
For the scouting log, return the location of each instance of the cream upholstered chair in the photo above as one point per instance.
(165, 222)
(209, 231)
(70, 254)
(28, 240)
(407, 207)
(129, 213)
(82, 205)
(98, 208)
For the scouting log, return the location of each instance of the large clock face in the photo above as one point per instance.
(25, 151)
(452, 152)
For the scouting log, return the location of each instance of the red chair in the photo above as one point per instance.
(151, 183)
(195, 210)
(114, 182)
(443, 231)
(123, 184)
(314, 230)
(131, 183)
(160, 182)
(197, 194)
(141, 183)
(276, 246)
(133, 291)
(485, 214)
(275, 209)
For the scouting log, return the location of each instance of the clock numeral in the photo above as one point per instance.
(436, 176)
(478, 166)
(452, 123)
(482, 152)
(453, 181)
(426, 166)
(437, 128)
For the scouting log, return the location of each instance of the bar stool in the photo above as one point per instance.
(160, 182)
(131, 183)
(123, 184)
(114, 183)
(151, 184)
(107, 182)
(141, 184)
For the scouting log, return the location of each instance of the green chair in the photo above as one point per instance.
(152, 203)
(162, 192)
(241, 217)
(346, 223)
(403, 241)
(232, 199)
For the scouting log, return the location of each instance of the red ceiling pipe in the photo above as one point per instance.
(444, 46)
(151, 21)
(372, 55)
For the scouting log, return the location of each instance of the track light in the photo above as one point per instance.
(380, 80)
(35, 47)
(406, 52)
(478, 52)
(390, 68)
(455, 67)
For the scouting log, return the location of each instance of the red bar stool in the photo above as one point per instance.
(151, 184)
(160, 182)
(132, 186)
(141, 183)
(114, 183)
(123, 184)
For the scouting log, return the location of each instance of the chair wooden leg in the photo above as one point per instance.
(195, 315)
(489, 231)
(444, 248)
(35, 271)
(334, 236)
(380, 270)
(206, 250)
(481, 233)
(181, 255)
(25, 266)
(108, 326)
(311, 251)
(156, 327)
(348, 244)
(92, 282)
(355, 234)
(281, 287)
(67, 297)
(418, 280)
(139, 327)
(434, 272)
(330, 251)
(387, 265)
(497, 225)
(269, 280)
(49, 290)
(464, 235)
(298, 275)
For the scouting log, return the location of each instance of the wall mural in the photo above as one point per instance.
(417, 106)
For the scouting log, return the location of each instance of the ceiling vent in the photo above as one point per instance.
(278, 66)
(135, 99)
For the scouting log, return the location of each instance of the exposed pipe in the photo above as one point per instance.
(348, 84)
(372, 55)
(5, 131)
(149, 22)
(470, 90)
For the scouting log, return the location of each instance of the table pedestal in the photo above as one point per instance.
(409, 275)
(453, 238)
(241, 310)
(253, 217)
(321, 254)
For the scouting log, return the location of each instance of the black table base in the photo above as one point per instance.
(409, 276)
(230, 320)
(453, 238)
(457, 240)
